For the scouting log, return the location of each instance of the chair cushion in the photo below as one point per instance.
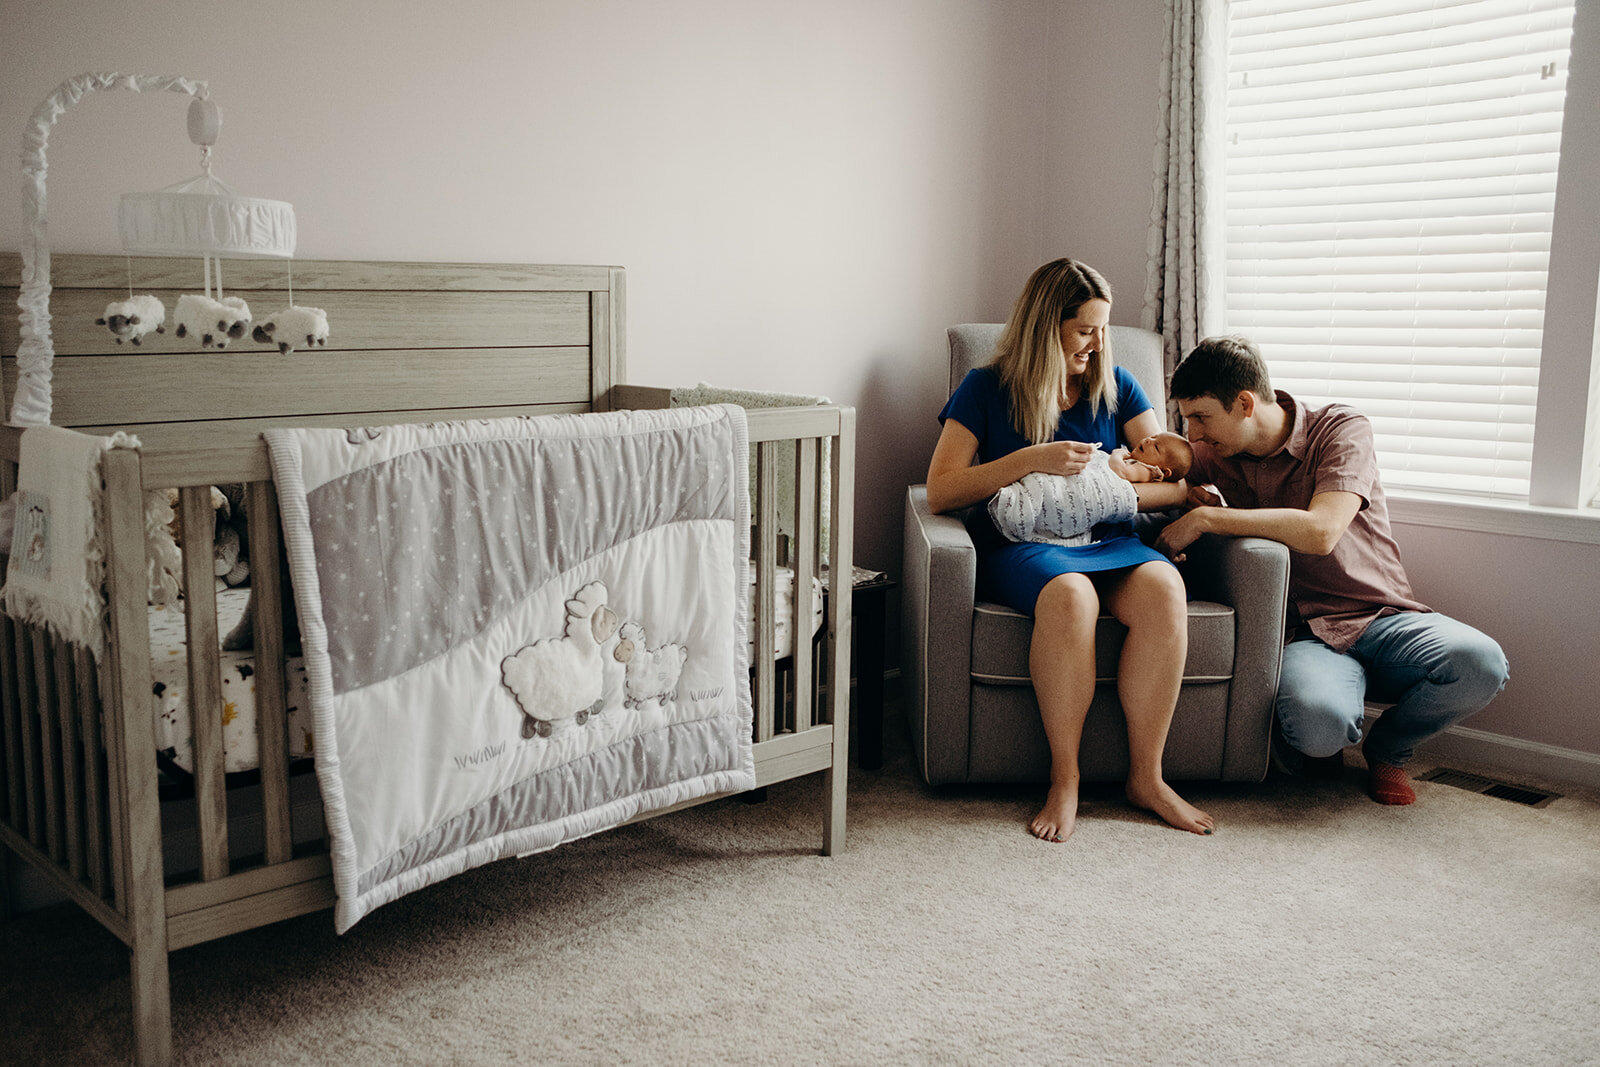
(1000, 639)
(1008, 743)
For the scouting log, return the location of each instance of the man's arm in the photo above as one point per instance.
(1313, 530)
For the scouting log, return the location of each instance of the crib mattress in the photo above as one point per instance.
(170, 675)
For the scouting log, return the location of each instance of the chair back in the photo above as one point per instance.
(1139, 350)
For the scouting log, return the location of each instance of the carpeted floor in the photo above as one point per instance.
(1314, 927)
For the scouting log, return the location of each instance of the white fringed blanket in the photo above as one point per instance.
(57, 561)
(517, 632)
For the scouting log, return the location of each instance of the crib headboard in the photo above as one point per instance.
(409, 342)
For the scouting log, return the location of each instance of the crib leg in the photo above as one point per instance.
(152, 1005)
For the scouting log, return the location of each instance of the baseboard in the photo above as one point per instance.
(1511, 754)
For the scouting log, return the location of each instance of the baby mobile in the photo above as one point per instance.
(201, 217)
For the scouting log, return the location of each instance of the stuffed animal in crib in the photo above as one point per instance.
(230, 536)
(293, 327)
(215, 322)
(652, 673)
(133, 318)
(563, 677)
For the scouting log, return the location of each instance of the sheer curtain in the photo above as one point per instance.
(1186, 266)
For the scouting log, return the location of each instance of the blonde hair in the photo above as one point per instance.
(1029, 359)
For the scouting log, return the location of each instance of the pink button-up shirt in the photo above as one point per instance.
(1329, 449)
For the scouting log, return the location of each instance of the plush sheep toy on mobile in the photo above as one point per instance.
(293, 327)
(131, 319)
(215, 322)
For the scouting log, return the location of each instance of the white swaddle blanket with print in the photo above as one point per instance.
(1056, 509)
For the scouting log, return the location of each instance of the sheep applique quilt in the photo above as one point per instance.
(517, 631)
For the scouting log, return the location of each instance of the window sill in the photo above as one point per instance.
(1518, 519)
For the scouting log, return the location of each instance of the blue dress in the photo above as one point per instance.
(1014, 574)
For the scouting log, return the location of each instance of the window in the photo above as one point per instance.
(1391, 176)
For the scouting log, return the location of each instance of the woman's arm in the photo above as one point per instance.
(954, 482)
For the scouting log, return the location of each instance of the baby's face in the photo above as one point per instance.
(1159, 452)
(1150, 451)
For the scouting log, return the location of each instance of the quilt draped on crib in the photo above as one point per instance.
(517, 631)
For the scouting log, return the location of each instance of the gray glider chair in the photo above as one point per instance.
(970, 704)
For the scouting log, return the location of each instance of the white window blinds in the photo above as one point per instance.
(1391, 173)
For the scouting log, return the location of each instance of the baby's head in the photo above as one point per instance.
(1167, 450)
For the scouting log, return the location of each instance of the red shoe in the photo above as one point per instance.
(1388, 784)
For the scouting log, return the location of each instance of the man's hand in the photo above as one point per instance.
(1204, 496)
(1183, 532)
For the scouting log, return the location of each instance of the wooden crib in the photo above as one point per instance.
(82, 796)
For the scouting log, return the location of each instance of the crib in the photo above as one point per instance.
(165, 860)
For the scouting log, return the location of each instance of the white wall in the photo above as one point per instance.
(1100, 140)
(804, 194)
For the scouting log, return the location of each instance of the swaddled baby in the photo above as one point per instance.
(1060, 509)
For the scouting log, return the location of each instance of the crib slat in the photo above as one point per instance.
(10, 704)
(205, 678)
(71, 786)
(49, 746)
(96, 815)
(272, 717)
(27, 691)
(766, 508)
(805, 565)
(841, 534)
(11, 714)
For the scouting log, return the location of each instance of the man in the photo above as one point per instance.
(1266, 465)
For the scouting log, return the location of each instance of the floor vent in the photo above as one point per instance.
(1476, 783)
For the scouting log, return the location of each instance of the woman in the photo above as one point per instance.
(1049, 397)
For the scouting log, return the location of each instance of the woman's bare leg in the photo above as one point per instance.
(1061, 662)
(1150, 602)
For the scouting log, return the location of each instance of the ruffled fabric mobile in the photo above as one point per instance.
(200, 217)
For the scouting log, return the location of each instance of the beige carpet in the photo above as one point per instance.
(1314, 927)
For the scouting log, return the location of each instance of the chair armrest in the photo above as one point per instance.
(1251, 575)
(939, 577)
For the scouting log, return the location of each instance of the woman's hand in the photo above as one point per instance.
(1060, 457)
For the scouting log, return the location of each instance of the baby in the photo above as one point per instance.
(1063, 509)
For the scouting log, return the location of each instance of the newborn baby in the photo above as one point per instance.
(1063, 509)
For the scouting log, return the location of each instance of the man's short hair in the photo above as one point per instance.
(1222, 367)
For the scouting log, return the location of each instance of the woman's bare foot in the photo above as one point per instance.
(1161, 799)
(1059, 816)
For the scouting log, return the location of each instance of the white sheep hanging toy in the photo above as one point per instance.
(293, 327)
(133, 318)
(214, 322)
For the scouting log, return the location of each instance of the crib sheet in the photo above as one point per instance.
(170, 673)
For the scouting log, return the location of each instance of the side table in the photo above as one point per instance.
(869, 603)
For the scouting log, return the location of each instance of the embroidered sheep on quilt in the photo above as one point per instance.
(563, 677)
(652, 673)
(133, 318)
(215, 322)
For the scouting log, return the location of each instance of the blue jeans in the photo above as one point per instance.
(1434, 671)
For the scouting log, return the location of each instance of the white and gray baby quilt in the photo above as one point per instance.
(517, 631)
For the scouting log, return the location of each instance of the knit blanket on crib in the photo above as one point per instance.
(517, 632)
